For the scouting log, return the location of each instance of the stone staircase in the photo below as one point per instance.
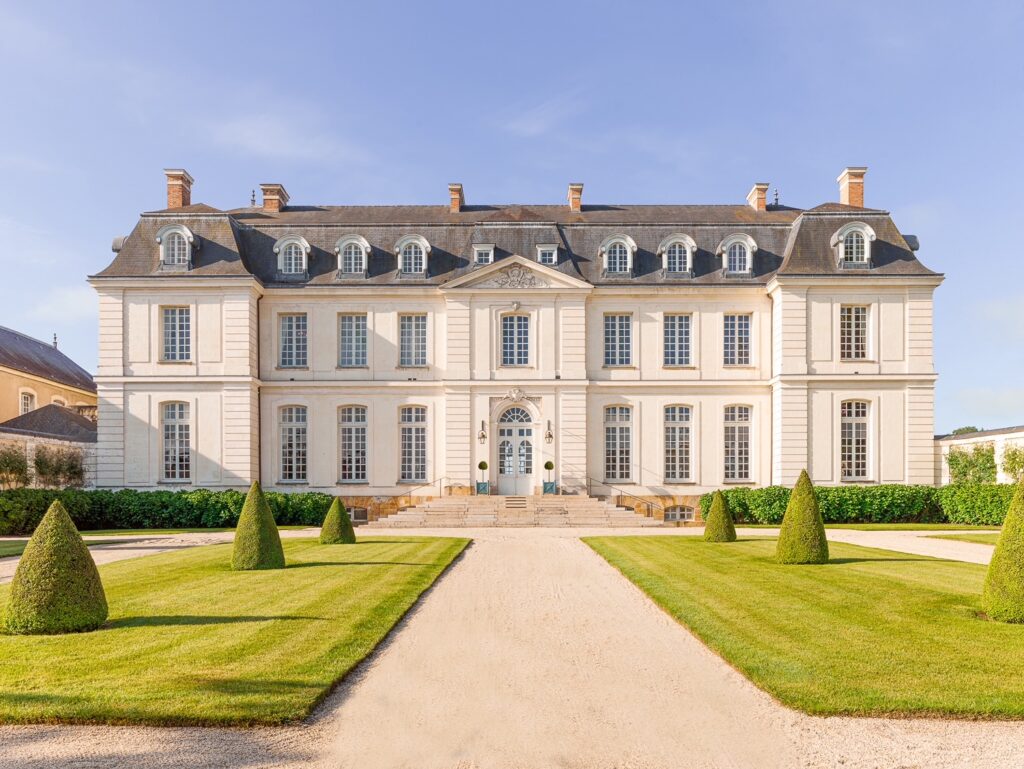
(546, 510)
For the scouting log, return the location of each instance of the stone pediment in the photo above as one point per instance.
(517, 273)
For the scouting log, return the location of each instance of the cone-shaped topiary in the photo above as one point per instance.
(719, 526)
(337, 528)
(56, 587)
(1003, 598)
(257, 543)
(802, 537)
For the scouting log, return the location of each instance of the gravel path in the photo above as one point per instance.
(533, 652)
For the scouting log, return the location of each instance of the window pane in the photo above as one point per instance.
(548, 256)
(515, 340)
(853, 333)
(351, 340)
(177, 322)
(177, 455)
(737, 443)
(352, 258)
(617, 257)
(352, 444)
(737, 260)
(618, 345)
(854, 250)
(293, 443)
(853, 448)
(412, 340)
(736, 340)
(293, 341)
(617, 443)
(676, 258)
(412, 258)
(293, 260)
(677, 443)
(175, 249)
(677, 340)
(413, 440)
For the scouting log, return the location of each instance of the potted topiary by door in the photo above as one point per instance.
(483, 488)
(549, 485)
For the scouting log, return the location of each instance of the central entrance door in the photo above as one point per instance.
(515, 453)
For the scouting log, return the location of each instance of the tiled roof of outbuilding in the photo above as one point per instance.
(52, 421)
(23, 353)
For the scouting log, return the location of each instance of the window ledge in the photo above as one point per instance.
(363, 367)
(618, 483)
(352, 483)
(860, 481)
(293, 483)
(739, 482)
(679, 365)
(291, 368)
(619, 365)
(738, 365)
(668, 482)
(169, 482)
(857, 360)
(422, 483)
(176, 362)
(412, 366)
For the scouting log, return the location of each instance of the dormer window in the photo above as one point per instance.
(737, 253)
(852, 244)
(292, 255)
(677, 255)
(176, 243)
(412, 253)
(618, 252)
(483, 253)
(353, 255)
(547, 254)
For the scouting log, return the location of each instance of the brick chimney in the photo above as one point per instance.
(757, 198)
(575, 197)
(179, 187)
(851, 186)
(274, 197)
(456, 199)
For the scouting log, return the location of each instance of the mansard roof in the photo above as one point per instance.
(240, 242)
(24, 353)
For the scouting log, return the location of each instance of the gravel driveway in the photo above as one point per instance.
(533, 652)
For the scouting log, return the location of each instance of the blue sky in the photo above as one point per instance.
(643, 102)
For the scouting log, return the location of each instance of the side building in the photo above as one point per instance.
(650, 353)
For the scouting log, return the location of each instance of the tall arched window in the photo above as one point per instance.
(677, 258)
(293, 259)
(854, 251)
(677, 444)
(352, 444)
(177, 446)
(352, 258)
(737, 443)
(292, 430)
(853, 440)
(175, 249)
(738, 258)
(412, 259)
(852, 244)
(618, 443)
(413, 442)
(617, 258)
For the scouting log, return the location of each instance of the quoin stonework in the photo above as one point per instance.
(380, 353)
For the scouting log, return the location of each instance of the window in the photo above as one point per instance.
(293, 341)
(351, 341)
(677, 444)
(852, 244)
(736, 340)
(679, 513)
(515, 340)
(28, 402)
(854, 251)
(175, 249)
(413, 261)
(59, 401)
(738, 258)
(483, 254)
(293, 444)
(853, 432)
(617, 443)
(618, 345)
(413, 440)
(412, 332)
(677, 258)
(352, 444)
(352, 259)
(293, 259)
(177, 323)
(617, 258)
(177, 443)
(853, 332)
(547, 255)
(737, 443)
(516, 414)
(677, 340)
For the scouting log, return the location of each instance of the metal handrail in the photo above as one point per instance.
(650, 506)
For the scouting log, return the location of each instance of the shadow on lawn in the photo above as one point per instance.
(171, 620)
(304, 564)
(883, 560)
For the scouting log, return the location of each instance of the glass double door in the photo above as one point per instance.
(515, 460)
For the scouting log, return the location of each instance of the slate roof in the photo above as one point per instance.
(52, 421)
(240, 242)
(23, 353)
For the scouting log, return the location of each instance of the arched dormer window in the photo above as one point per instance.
(617, 253)
(737, 252)
(852, 244)
(292, 255)
(353, 254)
(676, 253)
(412, 253)
(176, 245)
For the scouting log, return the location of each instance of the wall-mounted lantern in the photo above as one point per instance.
(482, 435)
(549, 437)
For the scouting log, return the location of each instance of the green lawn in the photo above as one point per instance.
(12, 547)
(982, 538)
(872, 633)
(884, 526)
(141, 532)
(191, 642)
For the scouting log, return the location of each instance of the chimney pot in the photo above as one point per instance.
(456, 198)
(179, 187)
(851, 186)
(576, 197)
(757, 198)
(275, 197)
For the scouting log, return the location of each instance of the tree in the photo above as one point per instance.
(802, 536)
(1003, 596)
(337, 528)
(59, 467)
(974, 465)
(257, 541)
(965, 430)
(1013, 462)
(56, 587)
(719, 526)
(13, 468)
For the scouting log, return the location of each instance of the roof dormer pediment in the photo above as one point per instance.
(516, 273)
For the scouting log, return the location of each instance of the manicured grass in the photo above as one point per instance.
(141, 532)
(883, 526)
(874, 632)
(982, 538)
(13, 547)
(191, 642)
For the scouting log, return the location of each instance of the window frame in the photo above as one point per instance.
(364, 349)
(164, 239)
(359, 243)
(353, 433)
(413, 435)
(181, 424)
(838, 242)
(543, 248)
(486, 250)
(618, 455)
(613, 241)
(407, 242)
(33, 400)
(677, 240)
(299, 452)
(181, 352)
(684, 454)
(725, 252)
(746, 447)
(616, 340)
(861, 454)
(740, 360)
(686, 346)
(297, 363)
(415, 361)
(287, 244)
(850, 328)
(519, 343)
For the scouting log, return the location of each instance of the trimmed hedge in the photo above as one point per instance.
(976, 503)
(257, 541)
(21, 510)
(802, 536)
(1004, 583)
(719, 526)
(337, 528)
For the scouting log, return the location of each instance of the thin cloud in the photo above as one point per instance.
(543, 118)
(993, 407)
(66, 304)
(272, 136)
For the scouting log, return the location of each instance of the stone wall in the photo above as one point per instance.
(30, 443)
